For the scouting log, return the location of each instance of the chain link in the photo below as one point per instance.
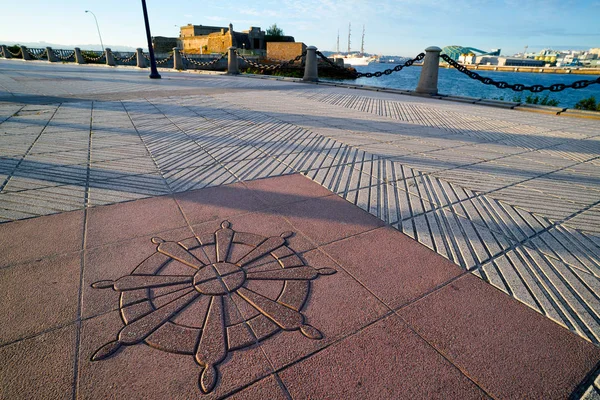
(397, 68)
(124, 59)
(17, 54)
(203, 64)
(331, 63)
(59, 55)
(557, 87)
(37, 55)
(92, 59)
(271, 67)
(164, 60)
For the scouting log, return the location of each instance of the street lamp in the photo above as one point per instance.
(153, 72)
(97, 27)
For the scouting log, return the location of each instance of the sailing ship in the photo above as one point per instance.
(354, 59)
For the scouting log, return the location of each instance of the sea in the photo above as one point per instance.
(453, 82)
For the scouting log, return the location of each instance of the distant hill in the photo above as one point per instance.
(114, 47)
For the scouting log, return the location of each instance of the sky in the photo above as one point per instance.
(392, 27)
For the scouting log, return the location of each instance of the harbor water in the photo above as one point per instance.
(453, 82)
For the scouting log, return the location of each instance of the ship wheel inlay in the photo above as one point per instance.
(205, 296)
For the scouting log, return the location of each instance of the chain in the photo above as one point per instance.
(37, 55)
(331, 63)
(164, 60)
(125, 59)
(557, 87)
(397, 68)
(17, 54)
(203, 64)
(271, 66)
(59, 54)
(93, 59)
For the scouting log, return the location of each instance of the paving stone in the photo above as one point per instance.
(461, 321)
(132, 219)
(327, 219)
(287, 189)
(23, 241)
(39, 367)
(152, 374)
(413, 368)
(382, 258)
(337, 294)
(32, 305)
(267, 387)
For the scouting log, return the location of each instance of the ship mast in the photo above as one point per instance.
(349, 29)
(362, 44)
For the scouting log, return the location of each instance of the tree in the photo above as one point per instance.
(275, 31)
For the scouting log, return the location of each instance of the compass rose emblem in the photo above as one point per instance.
(202, 281)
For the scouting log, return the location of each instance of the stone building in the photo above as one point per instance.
(199, 39)
(162, 44)
(284, 51)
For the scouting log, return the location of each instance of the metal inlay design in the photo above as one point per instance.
(208, 295)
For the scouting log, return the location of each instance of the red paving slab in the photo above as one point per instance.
(39, 367)
(37, 238)
(508, 349)
(276, 289)
(38, 296)
(218, 202)
(266, 388)
(386, 360)
(327, 219)
(393, 266)
(109, 224)
(111, 262)
(286, 189)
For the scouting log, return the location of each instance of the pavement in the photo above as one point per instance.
(205, 235)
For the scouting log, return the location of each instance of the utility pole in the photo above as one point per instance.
(153, 71)
(97, 27)
(349, 30)
(338, 43)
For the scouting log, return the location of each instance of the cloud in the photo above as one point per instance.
(259, 13)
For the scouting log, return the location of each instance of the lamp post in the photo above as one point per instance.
(97, 27)
(153, 72)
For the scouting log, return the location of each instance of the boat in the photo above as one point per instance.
(357, 58)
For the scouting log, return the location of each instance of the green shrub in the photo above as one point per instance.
(542, 101)
(588, 104)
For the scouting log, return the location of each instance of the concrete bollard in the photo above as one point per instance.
(50, 54)
(233, 67)
(311, 72)
(5, 52)
(110, 59)
(177, 61)
(141, 61)
(428, 82)
(78, 56)
(25, 53)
